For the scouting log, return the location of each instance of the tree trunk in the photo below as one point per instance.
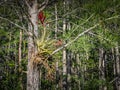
(56, 31)
(114, 67)
(64, 70)
(102, 69)
(66, 62)
(78, 70)
(20, 59)
(69, 70)
(117, 67)
(64, 55)
(32, 72)
(56, 21)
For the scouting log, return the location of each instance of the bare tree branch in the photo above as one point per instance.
(43, 5)
(81, 34)
(116, 78)
(13, 23)
(26, 2)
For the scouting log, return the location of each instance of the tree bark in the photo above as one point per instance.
(56, 21)
(64, 70)
(102, 69)
(56, 31)
(117, 67)
(114, 66)
(69, 69)
(64, 55)
(20, 59)
(78, 70)
(32, 72)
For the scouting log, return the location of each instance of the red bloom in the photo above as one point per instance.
(58, 43)
(41, 17)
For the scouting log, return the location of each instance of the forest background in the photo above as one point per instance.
(59, 45)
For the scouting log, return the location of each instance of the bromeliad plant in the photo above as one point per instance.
(45, 46)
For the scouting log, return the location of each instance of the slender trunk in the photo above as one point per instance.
(32, 72)
(9, 45)
(117, 66)
(16, 57)
(85, 66)
(69, 69)
(66, 61)
(102, 69)
(114, 67)
(78, 70)
(20, 59)
(64, 55)
(82, 78)
(56, 21)
(56, 30)
(64, 70)
(114, 64)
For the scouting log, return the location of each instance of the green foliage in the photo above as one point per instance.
(81, 15)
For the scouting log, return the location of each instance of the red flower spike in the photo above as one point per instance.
(41, 17)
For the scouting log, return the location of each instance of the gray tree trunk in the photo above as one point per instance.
(79, 71)
(32, 73)
(117, 67)
(56, 31)
(114, 67)
(56, 21)
(69, 69)
(66, 61)
(102, 69)
(64, 55)
(20, 59)
(64, 70)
